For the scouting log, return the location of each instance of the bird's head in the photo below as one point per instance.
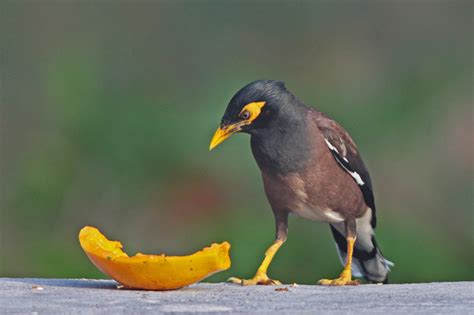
(252, 108)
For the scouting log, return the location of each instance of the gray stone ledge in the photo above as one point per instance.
(48, 296)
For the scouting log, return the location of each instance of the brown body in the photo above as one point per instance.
(321, 191)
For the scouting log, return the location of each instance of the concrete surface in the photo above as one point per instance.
(49, 296)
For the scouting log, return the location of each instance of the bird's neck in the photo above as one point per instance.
(284, 147)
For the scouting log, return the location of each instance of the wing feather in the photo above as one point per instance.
(345, 152)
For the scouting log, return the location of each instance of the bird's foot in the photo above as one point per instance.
(259, 278)
(338, 281)
(344, 279)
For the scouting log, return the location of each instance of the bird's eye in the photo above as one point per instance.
(245, 115)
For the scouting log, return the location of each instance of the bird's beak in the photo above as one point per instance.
(223, 133)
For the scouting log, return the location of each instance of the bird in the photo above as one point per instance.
(310, 167)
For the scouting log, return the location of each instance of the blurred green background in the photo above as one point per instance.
(108, 109)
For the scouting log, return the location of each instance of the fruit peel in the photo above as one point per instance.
(152, 272)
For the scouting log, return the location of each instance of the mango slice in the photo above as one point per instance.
(152, 272)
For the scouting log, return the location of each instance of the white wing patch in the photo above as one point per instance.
(331, 147)
(357, 177)
(354, 174)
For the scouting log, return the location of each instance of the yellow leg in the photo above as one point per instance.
(346, 276)
(261, 275)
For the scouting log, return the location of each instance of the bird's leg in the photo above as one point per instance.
(261, 276)
(345, 278)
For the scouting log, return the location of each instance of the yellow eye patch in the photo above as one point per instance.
(252, 110)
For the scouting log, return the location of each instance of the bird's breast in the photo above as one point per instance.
(282, 151)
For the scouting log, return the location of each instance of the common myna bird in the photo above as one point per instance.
(312, 168)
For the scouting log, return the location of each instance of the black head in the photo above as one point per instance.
(254, 107)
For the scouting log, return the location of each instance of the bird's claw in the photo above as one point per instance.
(338, 282)
(258, 279)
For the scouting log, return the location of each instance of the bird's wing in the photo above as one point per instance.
(345, 151)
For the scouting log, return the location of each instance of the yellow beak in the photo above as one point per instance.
(221, 134)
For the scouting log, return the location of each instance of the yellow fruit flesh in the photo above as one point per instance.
(152, 272)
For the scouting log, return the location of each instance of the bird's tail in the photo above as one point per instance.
(367, 258)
